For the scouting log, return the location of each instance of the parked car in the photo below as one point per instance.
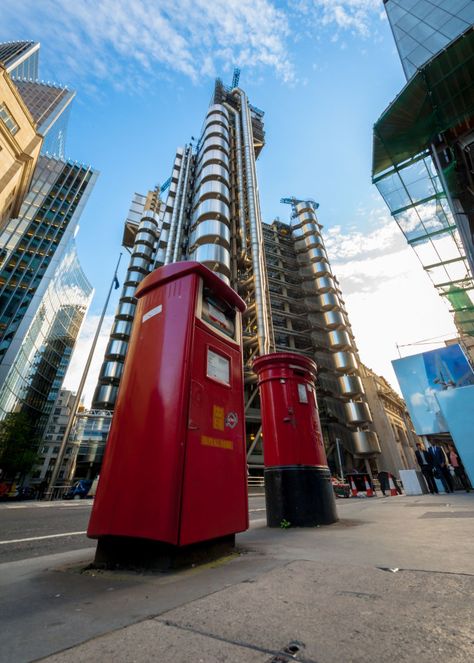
(79, 490)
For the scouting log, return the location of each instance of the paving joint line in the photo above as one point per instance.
(238, 643)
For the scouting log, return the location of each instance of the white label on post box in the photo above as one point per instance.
(218, 367)
(152, 312)
(302, 393)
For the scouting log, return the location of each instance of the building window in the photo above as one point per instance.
(55, 450)
(8, 120)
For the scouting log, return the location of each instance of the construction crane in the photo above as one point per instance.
(294, 201)
(235, 78)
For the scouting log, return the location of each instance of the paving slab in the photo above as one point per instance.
(153, 641)
(321, 587)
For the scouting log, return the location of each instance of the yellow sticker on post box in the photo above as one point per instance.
(207, 441)
(217, 417)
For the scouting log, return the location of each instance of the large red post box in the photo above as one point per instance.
(174, 469)
(298, 484)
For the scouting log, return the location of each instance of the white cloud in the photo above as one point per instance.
(356, 16)
(133, 39)
(81, 352)
(389, 298)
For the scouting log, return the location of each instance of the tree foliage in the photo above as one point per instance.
(18, 444)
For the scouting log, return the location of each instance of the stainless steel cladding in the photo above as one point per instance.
(345, 362)
(351, 385)
(325, 284)
(328, 302)
(210, 232)
(244, 133)
(209, 239)
(334, 320)
(107, 394)
(357, 412)
(111, 369)
(339, 340)
(366, 443)
(215, 257)
(141, 263)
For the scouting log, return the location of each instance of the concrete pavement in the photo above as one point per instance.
(325, 595)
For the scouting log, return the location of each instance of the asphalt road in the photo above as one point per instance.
(34, 529)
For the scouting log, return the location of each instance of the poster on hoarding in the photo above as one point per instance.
(457, 406)
(424, 375)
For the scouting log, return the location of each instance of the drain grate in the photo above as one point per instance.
(293, 648)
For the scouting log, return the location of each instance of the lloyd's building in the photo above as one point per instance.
(211, 213)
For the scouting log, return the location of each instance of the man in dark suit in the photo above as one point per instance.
(440, 467)
(426, 466)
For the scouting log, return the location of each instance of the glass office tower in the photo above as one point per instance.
(423, 145)
(423, 28)
(44, 294)
(21, 59)
(33, 372)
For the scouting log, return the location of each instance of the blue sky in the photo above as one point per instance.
(322, 70)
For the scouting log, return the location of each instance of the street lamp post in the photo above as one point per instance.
(75, 406)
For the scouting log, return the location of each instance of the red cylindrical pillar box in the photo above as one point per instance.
(298, 484)
(175, 468)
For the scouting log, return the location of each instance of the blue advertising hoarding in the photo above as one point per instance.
(423, 376)
(457, 406)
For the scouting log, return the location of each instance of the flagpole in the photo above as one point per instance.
(80, 389)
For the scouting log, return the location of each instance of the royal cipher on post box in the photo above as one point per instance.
(174, 469)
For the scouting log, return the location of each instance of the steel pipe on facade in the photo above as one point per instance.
(174, 216)
(179, 228)
(256, 240)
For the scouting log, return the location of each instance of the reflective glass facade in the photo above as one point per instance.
(20, 58)
(28, 245)
(37, 372)
(422, 28)
(418, 203)
(424, 144)
(49, 105)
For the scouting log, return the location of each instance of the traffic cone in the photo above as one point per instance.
(353, 487)
(368, 489)
(391, 485)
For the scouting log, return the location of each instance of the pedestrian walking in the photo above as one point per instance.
(459, 471)
(426, 466)
(440, 467)
(382, 476)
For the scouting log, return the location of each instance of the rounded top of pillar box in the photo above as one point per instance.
(283, 365)
(178, 270)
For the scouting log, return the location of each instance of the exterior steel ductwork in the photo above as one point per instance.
(182, 204)
(207, 232)
(176, 208)
(339, 340)
(358, 412)
(351, 385)
(209, 240)
(345, 362)
(325, 284)
(366, 443)
(141, 263)
(255, 221)
(328, 302)
(334, 320)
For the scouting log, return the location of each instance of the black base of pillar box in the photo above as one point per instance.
(130, 553)
(300, 495)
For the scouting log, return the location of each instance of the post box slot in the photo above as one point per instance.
(217, 313)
